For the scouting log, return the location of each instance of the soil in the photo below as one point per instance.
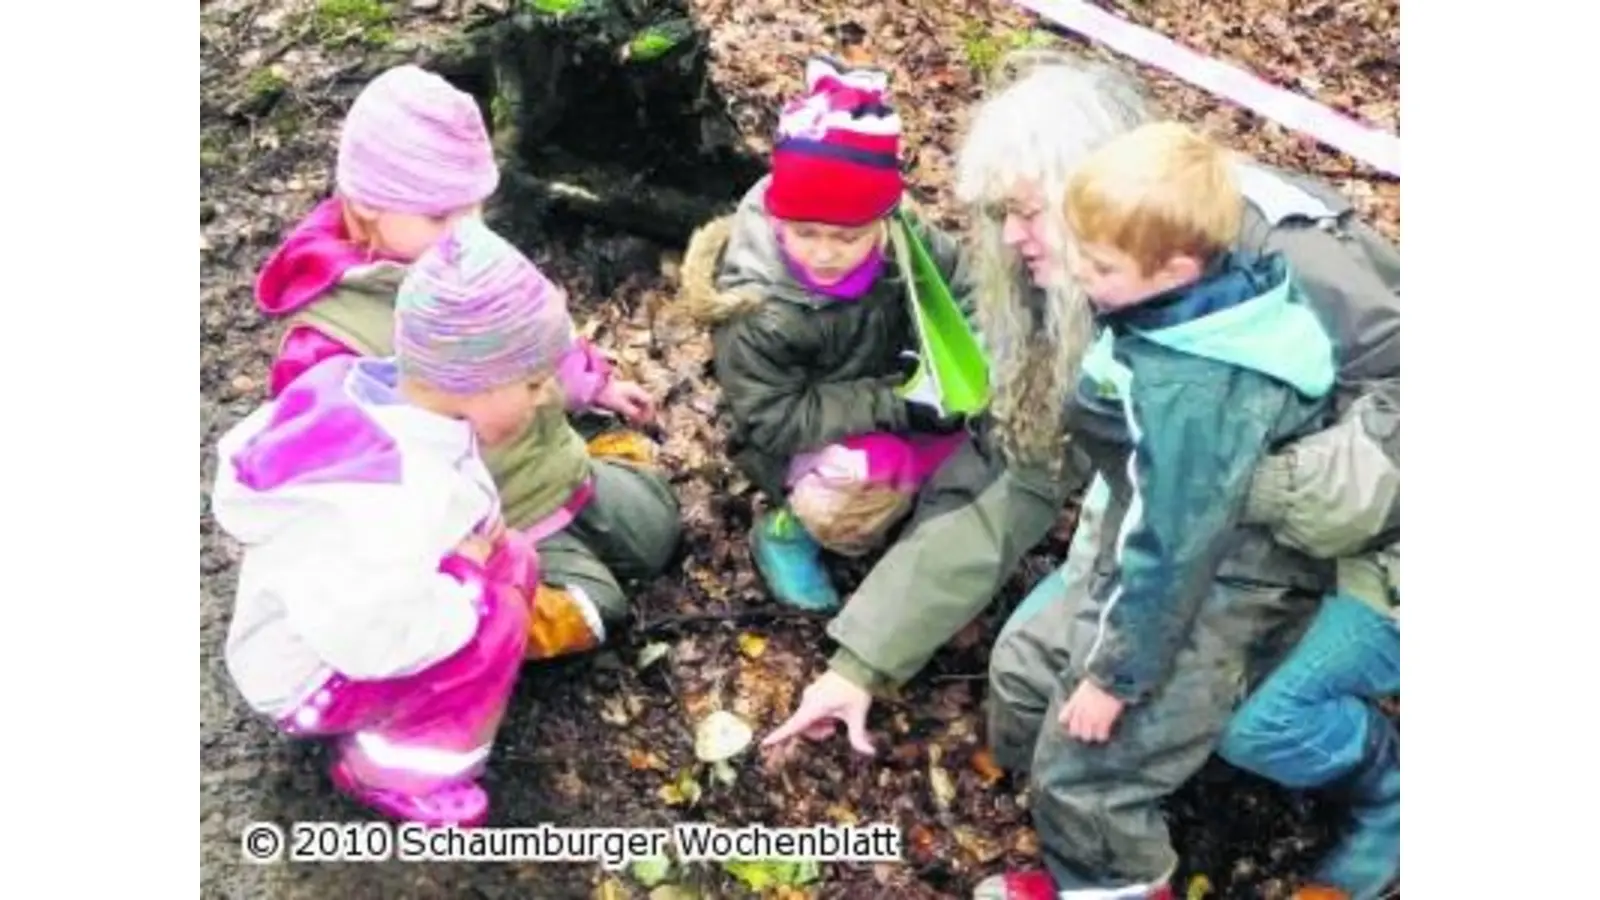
(594, 741)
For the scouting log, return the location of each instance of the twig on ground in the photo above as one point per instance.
(691, 620)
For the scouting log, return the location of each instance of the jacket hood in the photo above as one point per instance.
(1251, 314)
(314, 434)
(316, 256)
(697, 290)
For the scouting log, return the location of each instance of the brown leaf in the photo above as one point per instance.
(843, 814)
(983, 849)
(615, 711)
(906, 752)
(989, 772)
(639, 760)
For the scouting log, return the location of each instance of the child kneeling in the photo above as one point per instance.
(813, 331)
(382, 603)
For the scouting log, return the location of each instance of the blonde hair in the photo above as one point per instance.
(363, 231)
(1160, 191)
(1048, 112)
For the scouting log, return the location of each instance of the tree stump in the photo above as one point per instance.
(602, 110)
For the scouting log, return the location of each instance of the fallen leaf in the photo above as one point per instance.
(610, 889)
(639, 760)
(674, 892)
(906, 753)
(685, 791)
(944, 787)
(721, 735)
(982, 849)
(921, 840)
(651, 871)
(1200, 888)
(843, 815)
(614, 711)
(752, 645)
(761, 874)
(989, 772)
(1025, 843)
(651, 654)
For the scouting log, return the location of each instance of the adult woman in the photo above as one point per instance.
(1329, 496)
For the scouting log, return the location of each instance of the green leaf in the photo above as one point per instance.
(656, 41)
(683, 792)
(651, 871)
(760, 874)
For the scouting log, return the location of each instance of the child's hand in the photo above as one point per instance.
(629, 399)
(1090, 713)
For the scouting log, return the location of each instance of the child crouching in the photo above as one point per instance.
(805, 292)
(382, 604)
(414, 159)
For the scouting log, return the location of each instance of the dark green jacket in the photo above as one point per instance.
(1210, 378)
(797, 370)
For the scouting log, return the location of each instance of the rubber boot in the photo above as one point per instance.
(790, 561)
(1036, 884)
(1366, 860)
(564, 621)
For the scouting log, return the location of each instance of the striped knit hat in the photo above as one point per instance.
(837, 158)
(413, 143)
(474, 314)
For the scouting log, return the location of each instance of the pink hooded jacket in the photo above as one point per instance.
(314, 259)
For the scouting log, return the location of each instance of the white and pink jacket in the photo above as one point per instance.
(347, 499)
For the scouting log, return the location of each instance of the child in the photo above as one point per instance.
(381, 602)
(415, 157)
(1214, 359)
(813, 331)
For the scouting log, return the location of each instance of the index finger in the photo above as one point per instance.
(800, 721)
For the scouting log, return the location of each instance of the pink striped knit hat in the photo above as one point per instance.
(837, 158)
(474, 314)
(412, 143)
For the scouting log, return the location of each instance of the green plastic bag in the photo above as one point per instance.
(952, 373)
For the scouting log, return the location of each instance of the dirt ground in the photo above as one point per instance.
(606, 741)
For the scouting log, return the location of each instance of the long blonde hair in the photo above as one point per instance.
(1048, 111)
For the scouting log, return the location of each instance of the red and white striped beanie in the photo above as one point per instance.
(837, 158)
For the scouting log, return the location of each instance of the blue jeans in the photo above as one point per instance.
(1313, 723)
(1306, 726)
